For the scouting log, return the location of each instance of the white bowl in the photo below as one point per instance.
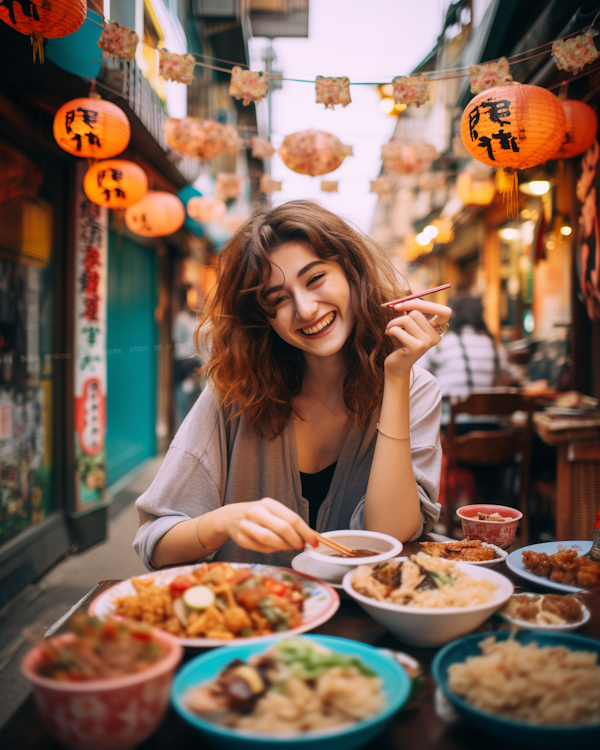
(526, 625)
(435, 626)
(333, 569)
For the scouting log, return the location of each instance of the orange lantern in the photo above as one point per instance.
(475, 191)
(115, 183)
(582, 126)
(514, 127)
(313, 152)
(206, 208)
(156, 215)
(92, 128)
(42, 18)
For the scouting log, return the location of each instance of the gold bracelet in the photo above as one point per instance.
(198, 538)
(388, 435)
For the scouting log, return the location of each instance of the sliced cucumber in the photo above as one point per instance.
(180, 611)
(198, 597)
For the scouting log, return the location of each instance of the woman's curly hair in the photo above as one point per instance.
(251, 367)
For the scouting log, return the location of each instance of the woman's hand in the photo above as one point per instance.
(267, 526)
(414, 334)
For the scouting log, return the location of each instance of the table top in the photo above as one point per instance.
(420, 728)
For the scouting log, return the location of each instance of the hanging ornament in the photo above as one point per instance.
(332, 91)
(513, 127)
(475, 191)
(575, 53)
(261, 149)
(91, 127)
(267, 185)
(201, 140)
(44, 18)
(248, 85)
(488, 75)
(313, 152)
(118, 41)
(156, 215)
(115, 183)
(206, 208)
(329, 186)
(445, 231)
(228, 186)
(382, 185)
(408, 158)
(174, 67)
(410, 90)
(581, 129)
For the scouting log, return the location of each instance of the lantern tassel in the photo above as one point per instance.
(37, 42)
(508, 186)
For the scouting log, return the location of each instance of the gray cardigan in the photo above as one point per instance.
(212, 462)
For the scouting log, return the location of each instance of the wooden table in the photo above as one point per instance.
(418, 729)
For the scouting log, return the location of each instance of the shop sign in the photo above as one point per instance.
(91, 259)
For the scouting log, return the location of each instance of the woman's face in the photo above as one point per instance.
(311, 298)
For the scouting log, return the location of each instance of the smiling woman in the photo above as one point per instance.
(304, 366)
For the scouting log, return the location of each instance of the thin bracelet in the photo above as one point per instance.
(388, 435)
(198, 538)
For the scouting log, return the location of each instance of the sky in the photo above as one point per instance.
(366, 41)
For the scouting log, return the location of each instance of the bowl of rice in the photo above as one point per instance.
(536, 688)
(428, 601)
(308, 692)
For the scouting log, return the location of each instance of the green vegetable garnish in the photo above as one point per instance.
(440, 578)
(308, 663)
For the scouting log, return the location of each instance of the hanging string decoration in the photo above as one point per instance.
(228, 185)
(174, 67)
(332, 91)
(267, 185)
(115, 183)
(575, 53)
(261, 149)
(156, 215)
(37, 20)
(201, 140)
(206, 208)
(329, 186)
(488, 75)
(92, 128)
(408, 158)
(513, 127)
(248, 85)
(382, 185)
(118, 41)
(313, 152)
(410, 90)
(580, 131)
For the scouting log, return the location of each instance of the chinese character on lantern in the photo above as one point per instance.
(332, 91)
(248, 85)
(488, 75)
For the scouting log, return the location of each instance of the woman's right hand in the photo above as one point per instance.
(266, 526)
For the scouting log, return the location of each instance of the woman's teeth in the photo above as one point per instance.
(320, 326)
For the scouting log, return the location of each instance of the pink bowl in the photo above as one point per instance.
(113, 714)
(500, 533)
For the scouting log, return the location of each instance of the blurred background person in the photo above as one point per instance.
(187, 381)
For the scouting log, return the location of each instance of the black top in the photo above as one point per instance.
(315, 488)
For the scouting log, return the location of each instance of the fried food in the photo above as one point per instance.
(544, 609)
(467, 551)
(564, 566)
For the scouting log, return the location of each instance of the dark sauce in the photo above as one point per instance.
(358, 553)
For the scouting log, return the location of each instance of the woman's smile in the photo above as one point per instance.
(322, 327)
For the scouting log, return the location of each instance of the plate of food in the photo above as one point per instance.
(530, 611)
(556, 565)
(217, 604)
(472, 551)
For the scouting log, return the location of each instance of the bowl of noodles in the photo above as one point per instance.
(316, 692)
(428, 601)
(535, 688)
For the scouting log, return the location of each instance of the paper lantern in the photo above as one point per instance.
(513, 127)
(206, 208)
(156, 215)
(474, 191)
(115, 183)
(332, 91)
(92, 128)
(313, 152)
(201, 140)
(581, 129)
(43, 19)
(248, 85)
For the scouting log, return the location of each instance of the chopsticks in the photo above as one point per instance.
(416, 296)
(328, 542)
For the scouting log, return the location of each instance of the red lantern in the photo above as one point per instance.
(91, 127)
(115, 183)
(43, 18)
(156, 215)
(313, 152)
(582, 126)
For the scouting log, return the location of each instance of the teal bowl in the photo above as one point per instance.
(396, 684)
(516, 732)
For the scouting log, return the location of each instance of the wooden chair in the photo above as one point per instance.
(490, 448)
